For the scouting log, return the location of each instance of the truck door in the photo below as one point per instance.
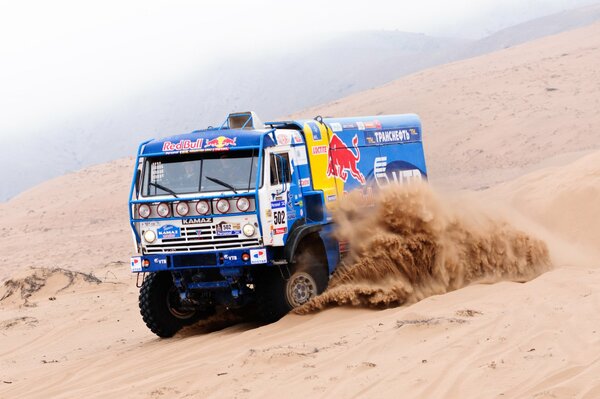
(283, 196)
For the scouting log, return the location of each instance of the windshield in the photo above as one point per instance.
(200, 173)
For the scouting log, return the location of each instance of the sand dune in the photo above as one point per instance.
(65, 334)
(493, 118)
(565, 200)
(78, 221)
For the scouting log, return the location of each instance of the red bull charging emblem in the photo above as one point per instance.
(343, 161)
(220, 142)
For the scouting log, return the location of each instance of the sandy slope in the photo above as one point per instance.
(495, 117)
(538, 339)
(65, 335)
(77, 221)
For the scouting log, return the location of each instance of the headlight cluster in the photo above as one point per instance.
(182, 208)
(202, 207)
(163, 210)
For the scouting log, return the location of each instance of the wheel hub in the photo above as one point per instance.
(177, 311)
(300, 288)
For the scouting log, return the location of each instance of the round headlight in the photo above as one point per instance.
(242, 204)
(144, 211)
(149, 236)
(202, 207)
(163, 209)
(223, 205)
(182, 208)
(248, 230)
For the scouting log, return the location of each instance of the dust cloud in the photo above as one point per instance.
(409, 243)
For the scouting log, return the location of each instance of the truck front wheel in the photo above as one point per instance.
(161, 308)
(278, 295)
(300, 288)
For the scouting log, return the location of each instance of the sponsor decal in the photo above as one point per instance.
(220, 142)
(197, 221)
(160, 261)
(319, 150)
(343, 161)
(228, 229)
(279, 213)
(360, 125)
(315, 131)
(373, 125)
(336, 127)
(258, 256)
(182, 145)
(278, 204)
(291, 215)
(283, 139)
(398, 172)
(280, 230)
(230, 257)
(297, 138)
(305, 182)
(331, 198)
(349, 126)
(168, 231)
(136, 264)
(300, 154)
(147, 225)
(392, 136)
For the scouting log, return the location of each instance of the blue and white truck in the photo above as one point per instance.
(239, 216)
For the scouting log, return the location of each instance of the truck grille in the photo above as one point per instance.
(200, 238)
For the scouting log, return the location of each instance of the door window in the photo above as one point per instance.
(279, 174)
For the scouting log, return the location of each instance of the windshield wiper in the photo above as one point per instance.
(167, 189)
(221, 182)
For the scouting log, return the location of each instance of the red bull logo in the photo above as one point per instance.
(182, 145)
(220, 142)
(343, 161)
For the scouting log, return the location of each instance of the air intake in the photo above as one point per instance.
(244, 120)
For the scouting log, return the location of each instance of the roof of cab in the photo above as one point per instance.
(207, 140)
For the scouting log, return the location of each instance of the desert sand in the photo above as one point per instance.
(518, 128)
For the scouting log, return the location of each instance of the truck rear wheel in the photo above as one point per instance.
(309, 276)
(161, 308)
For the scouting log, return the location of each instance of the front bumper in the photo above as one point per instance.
(198, 260)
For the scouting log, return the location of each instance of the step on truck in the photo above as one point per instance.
(239, 218)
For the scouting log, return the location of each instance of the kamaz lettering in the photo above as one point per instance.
(239, 218)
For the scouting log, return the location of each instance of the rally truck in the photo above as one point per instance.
(238, 217)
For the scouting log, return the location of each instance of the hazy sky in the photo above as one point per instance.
(58, 58)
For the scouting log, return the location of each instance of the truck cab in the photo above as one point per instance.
(239, 217)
